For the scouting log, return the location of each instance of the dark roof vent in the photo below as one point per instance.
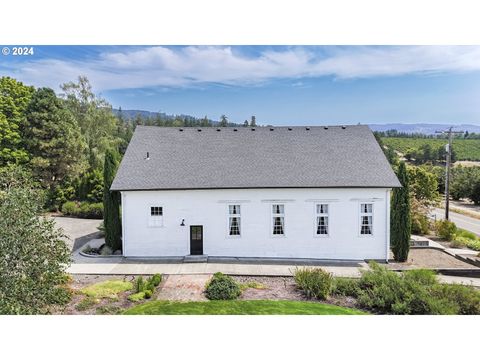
(199, 130)
(235, 129)
(253, 129)
(218, 129)
(307, 128)
(289, 129)
(325, 127)
(344, 127)
(180, 129)
(271, 129)
(148, 156)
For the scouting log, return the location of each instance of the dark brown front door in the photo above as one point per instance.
(196, 240)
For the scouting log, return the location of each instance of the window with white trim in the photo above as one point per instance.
(278, 219)
(234, 218)
(156, 216)
(366, 219)
(321, 211)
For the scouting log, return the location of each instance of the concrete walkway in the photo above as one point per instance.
(459, 280)
(204, 268)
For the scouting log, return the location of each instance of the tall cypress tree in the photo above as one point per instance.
(400, 223)
(111, 204)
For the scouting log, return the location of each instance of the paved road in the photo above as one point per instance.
(462, 221)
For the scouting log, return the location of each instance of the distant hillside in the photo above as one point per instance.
(427, 129)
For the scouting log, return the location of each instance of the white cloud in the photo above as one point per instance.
(194, 65)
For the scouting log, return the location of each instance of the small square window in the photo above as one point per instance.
(156, 211)
(156, 216)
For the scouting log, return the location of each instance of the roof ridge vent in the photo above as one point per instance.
(235, 129)
(271, 129)
(307, 128)
(289, 129)
(180, 129)
(253, 129)
(344, 127)
(199, 130)
(218, 129)
(325, 127)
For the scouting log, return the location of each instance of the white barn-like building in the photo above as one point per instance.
(265, 192)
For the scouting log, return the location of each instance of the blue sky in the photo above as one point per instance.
(278, 84)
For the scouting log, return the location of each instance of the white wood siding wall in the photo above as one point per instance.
(210, 209)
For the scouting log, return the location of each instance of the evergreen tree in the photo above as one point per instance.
(253, 121)
(111, 203)
(400, 222)
(245, 124)
(53, 139)
(223, 121)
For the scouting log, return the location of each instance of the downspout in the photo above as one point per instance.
(387, 225)
(123, 208)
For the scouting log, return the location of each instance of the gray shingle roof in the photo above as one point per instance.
(290, 157)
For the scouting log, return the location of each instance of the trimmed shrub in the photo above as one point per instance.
(345, 287)
(222, 287)
(474, 244)
(466, 234)
(136, 297)
(144, 289)
(69, 208)
(106, 250)
(315, 283)
(83, 210)
(446, 229)
(156, 279)
(420, 224)
(139, 284)
(466, 297)
(459, 242)
(388, 292)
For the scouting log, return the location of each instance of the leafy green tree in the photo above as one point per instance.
(53, 139)
(111, 204)
(424, 194)
(463, 181)
(33, 253)
(14, 99)
(475, 194)
(223, 121)
(94, 116)
(91, 187)
(400, 223)
(253, 121)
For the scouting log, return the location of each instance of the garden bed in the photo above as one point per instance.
(114, 302)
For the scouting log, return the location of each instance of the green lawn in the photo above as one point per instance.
(239, 307)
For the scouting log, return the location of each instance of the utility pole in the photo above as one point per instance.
(447, 167)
